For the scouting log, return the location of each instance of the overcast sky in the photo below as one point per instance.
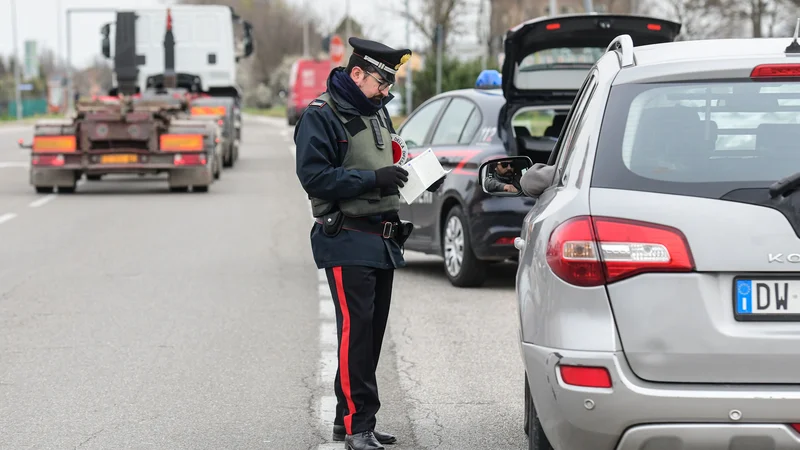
(38, 20)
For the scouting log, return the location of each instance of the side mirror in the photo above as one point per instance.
(500, 177)
(248, 39)
(105, 31)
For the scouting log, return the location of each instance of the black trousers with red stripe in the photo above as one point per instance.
(361, 296)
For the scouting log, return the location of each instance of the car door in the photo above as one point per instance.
(415, 131)
(455, 129)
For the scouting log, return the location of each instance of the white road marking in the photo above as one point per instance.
(6, 217)
(47, 198)
(14, 164)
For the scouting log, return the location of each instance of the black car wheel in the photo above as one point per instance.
(537, 440)
(460, 264)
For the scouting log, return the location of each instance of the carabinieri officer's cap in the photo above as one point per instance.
(384, 58)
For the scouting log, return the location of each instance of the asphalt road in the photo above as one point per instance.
(136, 318)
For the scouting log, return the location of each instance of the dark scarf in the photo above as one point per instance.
(347, 89)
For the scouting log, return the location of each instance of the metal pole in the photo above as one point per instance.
(59, 54)
(409, 72)
(70, 74)
(439, 51)
(587, 5)
(347, 30)
(553, 8)
(17, 62)
(306, 27)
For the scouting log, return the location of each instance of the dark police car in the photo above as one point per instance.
(546, 62)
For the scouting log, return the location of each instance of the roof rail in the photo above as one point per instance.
(624, 44)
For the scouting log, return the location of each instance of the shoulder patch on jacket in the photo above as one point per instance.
(318, 103)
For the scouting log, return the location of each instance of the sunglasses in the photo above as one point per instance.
(505, 165)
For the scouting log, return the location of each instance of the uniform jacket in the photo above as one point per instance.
(496, 182)
(321, 144)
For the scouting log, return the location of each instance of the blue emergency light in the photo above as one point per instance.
(488, 79)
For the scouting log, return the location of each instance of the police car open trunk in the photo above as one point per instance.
(547, 59)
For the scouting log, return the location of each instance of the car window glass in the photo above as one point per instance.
(452, 123)
(471, 127)
(572, 121)
(416, 127)
(575, 127)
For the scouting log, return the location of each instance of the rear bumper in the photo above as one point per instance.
(66, 175)
(497, 219)
(637, 415)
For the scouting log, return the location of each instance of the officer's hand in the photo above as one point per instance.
(436, 185)
(390, 177)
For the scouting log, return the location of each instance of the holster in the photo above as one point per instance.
(332, 223)
(404, 232)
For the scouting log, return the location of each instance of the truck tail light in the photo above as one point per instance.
(192, 159)
(208, 110)
(181, 142)
(593, 251)
(58, 144)
(47, 160)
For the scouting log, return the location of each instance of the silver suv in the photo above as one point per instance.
(659, 275)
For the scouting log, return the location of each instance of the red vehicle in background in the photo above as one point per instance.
(307, 80)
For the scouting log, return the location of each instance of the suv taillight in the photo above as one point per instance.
(592, 251)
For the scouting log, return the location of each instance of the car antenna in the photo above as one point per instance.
(794, 47)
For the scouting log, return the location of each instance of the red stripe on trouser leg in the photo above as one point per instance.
(344, 350)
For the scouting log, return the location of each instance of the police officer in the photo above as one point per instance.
(504, 178)
(346, 165)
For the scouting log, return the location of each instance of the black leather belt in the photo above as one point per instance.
(388, 230)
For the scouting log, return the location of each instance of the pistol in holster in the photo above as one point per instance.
(404, 232)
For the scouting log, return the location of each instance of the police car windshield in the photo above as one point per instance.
(555, 57)
(703, 139)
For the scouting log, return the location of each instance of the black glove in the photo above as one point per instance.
(436, 185)
(389, 177)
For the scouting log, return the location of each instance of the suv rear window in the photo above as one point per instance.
(701, 139)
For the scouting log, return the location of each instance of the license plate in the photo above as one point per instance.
(119, 159)
(765, 299)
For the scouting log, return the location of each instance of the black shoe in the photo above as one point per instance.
(339, 433)
(362, 441)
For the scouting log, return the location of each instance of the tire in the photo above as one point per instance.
(44, 189)
(97, 177)
(227, 158)
(537, 440)
(217, 168)
(66, 190)
(179, 188)
(200, 188)
(460, 264)
(528, 403)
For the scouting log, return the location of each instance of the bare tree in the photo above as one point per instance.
(450, 14)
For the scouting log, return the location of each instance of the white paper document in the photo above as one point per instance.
(423, 171)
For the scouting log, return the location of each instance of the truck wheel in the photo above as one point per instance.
(66, 189)
(44, 189)
(97, 177)
(227, 159)
(460, 264)
(217, 168)
(179, 188)
(200, 188)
